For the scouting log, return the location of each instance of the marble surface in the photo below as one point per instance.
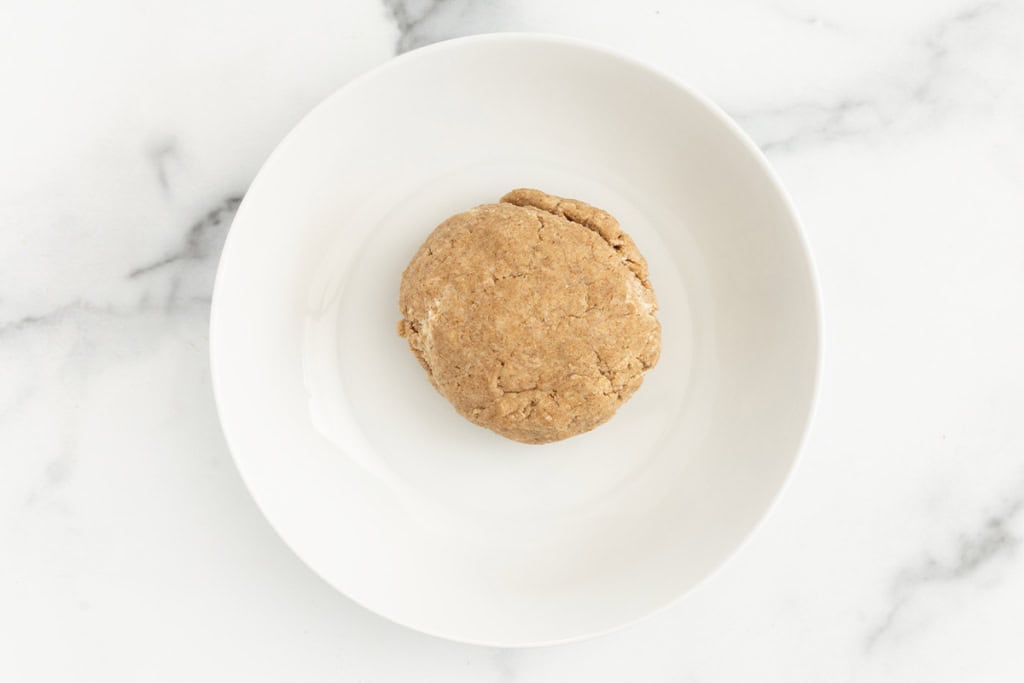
(129, 549)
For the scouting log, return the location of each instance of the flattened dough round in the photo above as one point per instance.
(534, 317)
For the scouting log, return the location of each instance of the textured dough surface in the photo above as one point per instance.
(534, 317)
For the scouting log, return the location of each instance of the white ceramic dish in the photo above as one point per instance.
(375, 481)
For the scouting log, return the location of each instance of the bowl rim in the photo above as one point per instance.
(723, 118)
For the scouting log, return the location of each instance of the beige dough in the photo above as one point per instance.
(534, 317)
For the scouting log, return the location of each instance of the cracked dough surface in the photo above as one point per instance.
(534, 317)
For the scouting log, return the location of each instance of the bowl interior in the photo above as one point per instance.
(375, 481)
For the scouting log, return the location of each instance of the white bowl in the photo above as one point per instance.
(374, 480)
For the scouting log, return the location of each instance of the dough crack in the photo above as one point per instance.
(596, 220)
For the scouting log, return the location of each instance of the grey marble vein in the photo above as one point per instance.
(12, 327)
(77, 308)
(812, 20)
(504, 664)
(991, 541)
(877, 107)
(203, 238)
(409, 17)
(818, 122)
(170, 302)
(939, 48)
(161, 156)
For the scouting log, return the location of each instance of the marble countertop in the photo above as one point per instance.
(129, 549)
